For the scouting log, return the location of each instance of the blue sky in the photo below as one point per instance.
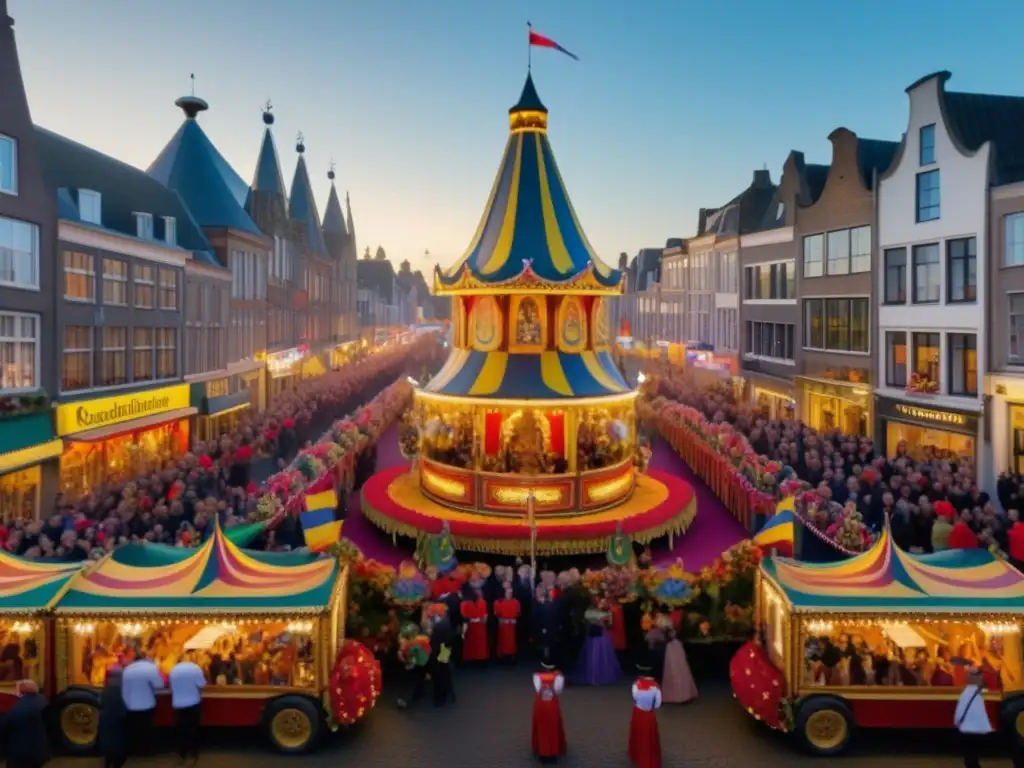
(672, 105)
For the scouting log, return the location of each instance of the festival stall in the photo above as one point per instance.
(27, 590)
(884, 639)
(266, 628)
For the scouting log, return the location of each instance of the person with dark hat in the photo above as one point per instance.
(644, 739)
(548, 731)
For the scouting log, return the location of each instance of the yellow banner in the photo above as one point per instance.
(93, 414)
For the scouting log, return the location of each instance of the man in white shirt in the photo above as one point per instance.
(187, 683)
(139, 683)
(971, 719)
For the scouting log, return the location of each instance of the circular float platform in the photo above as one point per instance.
(661, 505)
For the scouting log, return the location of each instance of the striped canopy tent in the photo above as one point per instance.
(549, 375)
(216, 577)
(29, 586)
(885, 578)
(529, 225)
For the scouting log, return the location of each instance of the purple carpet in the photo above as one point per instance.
(713, 531)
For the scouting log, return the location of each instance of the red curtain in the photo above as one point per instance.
(557, 423)
(492, 434)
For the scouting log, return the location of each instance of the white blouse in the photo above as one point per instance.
(648, 700)
(559, 684)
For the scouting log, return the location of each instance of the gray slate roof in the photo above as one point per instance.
(302, 208)
(191, 165)
(69, 166)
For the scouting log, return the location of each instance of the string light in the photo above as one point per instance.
(84, 628)
(131, 630)
(300, 627)
(999, 627)
(818, 627)
(22, 627)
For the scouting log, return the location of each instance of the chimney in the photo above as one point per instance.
(762, 178)
(702, 220)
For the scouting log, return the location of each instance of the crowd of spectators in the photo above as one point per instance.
(176, 503)
(932, 499)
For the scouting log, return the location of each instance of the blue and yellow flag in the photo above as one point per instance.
(319, 527)
(778, 533)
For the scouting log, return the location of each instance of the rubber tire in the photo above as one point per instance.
(304, 705)
(1008, 717)
(64, 700)
(821, 704)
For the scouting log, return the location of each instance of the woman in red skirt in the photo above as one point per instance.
(644, 739)
(507, 611)
(475, 645)
(548, 731)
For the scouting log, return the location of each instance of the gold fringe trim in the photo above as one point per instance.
(677, 526)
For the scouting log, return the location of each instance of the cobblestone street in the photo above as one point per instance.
(490, 728)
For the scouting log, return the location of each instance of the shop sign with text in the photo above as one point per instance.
(95, 414)
(955, 420)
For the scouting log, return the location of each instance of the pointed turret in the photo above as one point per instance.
(351, 227)
(335, 232)
(302, 205)
(266, 202)
(191, 165)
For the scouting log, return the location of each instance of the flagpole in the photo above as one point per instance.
(529, 48)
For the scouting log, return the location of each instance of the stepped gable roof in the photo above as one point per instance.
(69, 167)
(216, 576)
(191, 165)
(302, 204)
(529, 229)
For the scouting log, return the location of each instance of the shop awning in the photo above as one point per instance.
(216, 577)
(27, 586)
(28, 457)
(885, 578)
(313, 366)
(102, 433)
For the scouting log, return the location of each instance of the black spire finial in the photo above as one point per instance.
(330, 170)
(268, 115)
(300, 143)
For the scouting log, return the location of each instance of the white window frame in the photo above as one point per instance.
(857, 268)
(1010, 221)
(839, 265)
(143, 225)
(32, 284)
(151, 348)
(94, 200)
(78, 271)
(123, 350)
(160, 289)
(152, 284)
(1015, 359)
(170, 230)
(820, 271)
(159, 347)
(11, 142)
(17, 340)
(92, 356)
(115, 278)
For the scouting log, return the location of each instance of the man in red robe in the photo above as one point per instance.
(644, 739)
(475, 646)
(507, 611)
(548, 732)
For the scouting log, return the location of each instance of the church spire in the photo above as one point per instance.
(267, 202)
(302, 204)
(335, 232)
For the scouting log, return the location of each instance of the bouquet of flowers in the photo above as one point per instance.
(849, 531)
(673, 588)
(410, 587)
(413, 647)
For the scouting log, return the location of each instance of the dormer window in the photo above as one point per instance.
(90, 207)
(170, 230)
(143, 226)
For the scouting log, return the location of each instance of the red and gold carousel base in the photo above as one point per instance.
(661, 505)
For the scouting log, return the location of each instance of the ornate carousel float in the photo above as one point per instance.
(529, 429)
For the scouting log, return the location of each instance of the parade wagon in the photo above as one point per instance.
(882, 640)
(266, 629)
(28, 590)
